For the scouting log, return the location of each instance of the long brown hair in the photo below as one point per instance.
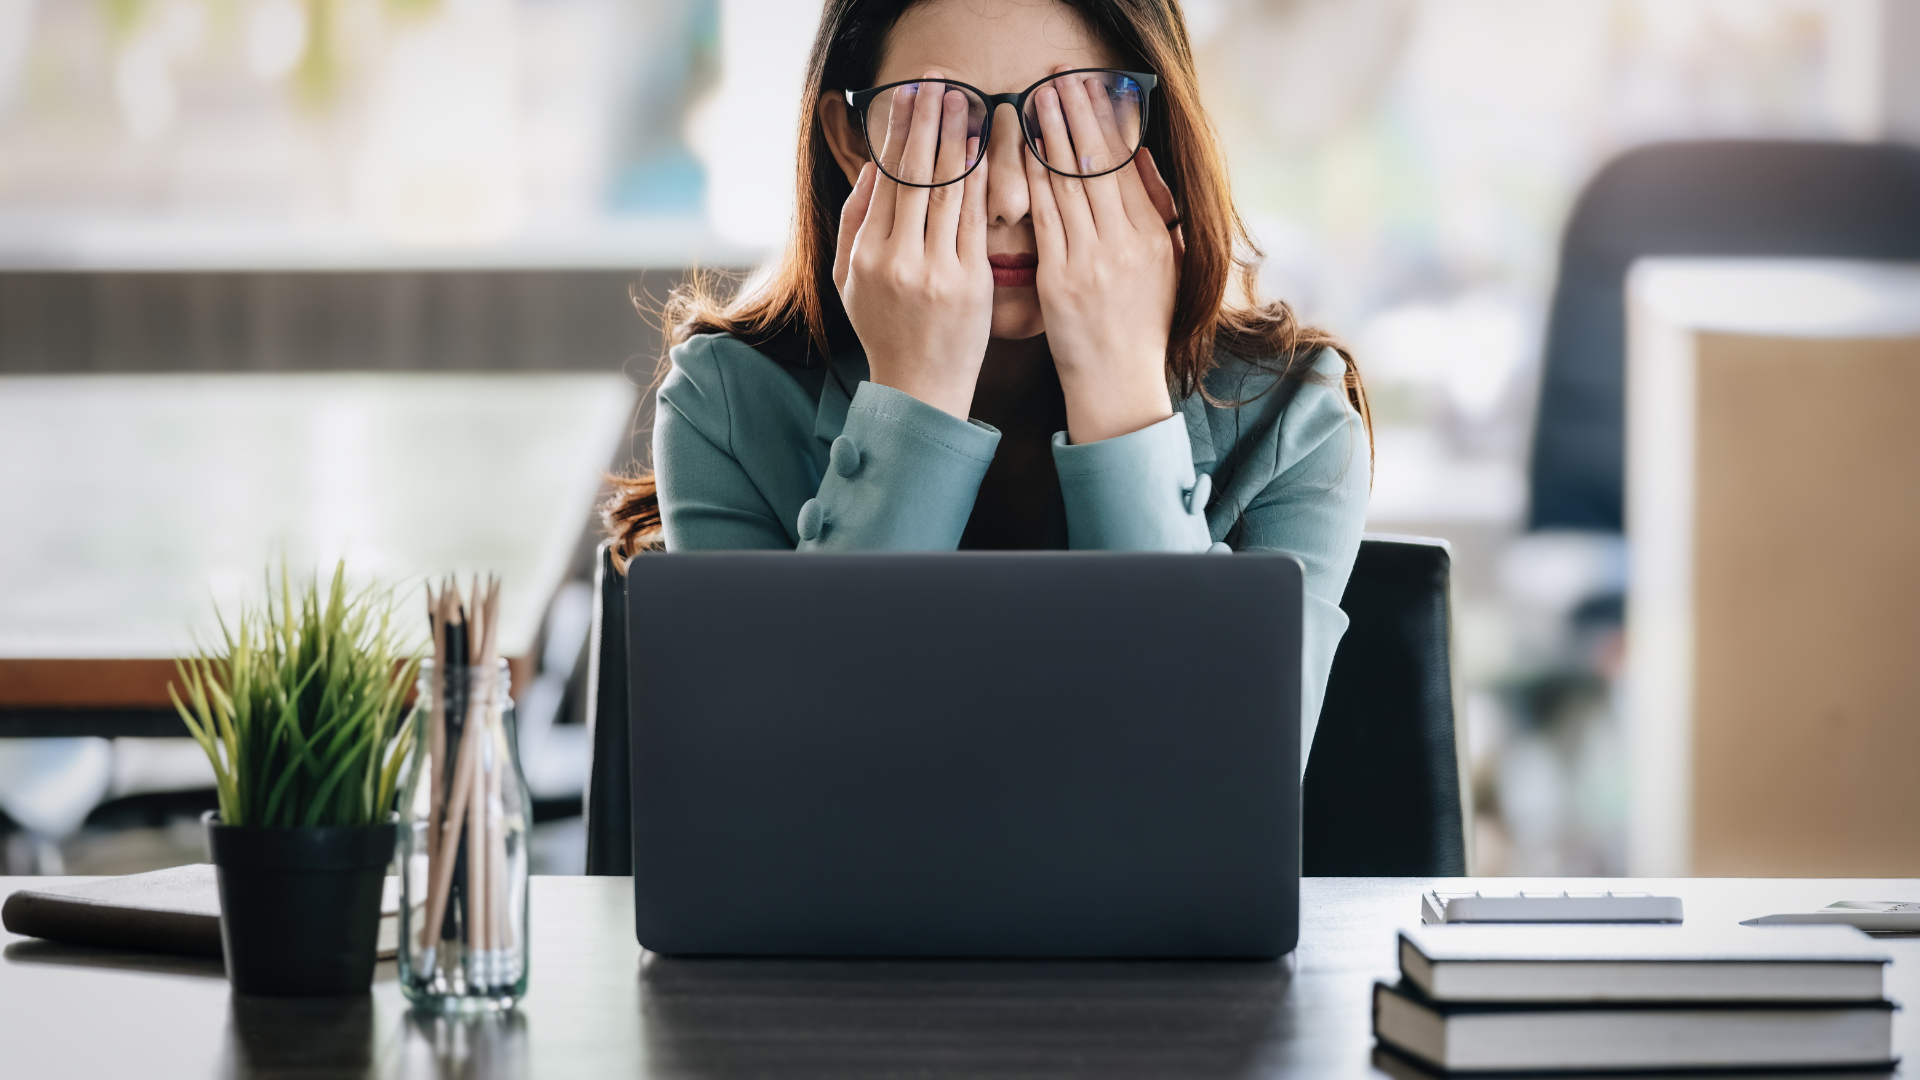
(794, 301)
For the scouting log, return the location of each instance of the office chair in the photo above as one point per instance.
(1812, 199)
(1382, 789)
(608, 802)
(1382, 796)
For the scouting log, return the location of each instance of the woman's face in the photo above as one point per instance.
(1001, 47)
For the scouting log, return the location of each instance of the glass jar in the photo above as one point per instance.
(464, 818)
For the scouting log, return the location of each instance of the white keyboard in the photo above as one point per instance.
(1548, 907)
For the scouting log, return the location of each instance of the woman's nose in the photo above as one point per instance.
(1006, 173)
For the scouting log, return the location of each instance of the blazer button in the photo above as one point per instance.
(1219, 549)
(845, 456)
(1197, 498)
(813, 520)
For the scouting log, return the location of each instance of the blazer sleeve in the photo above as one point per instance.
(901, 476)
(1134, 492)
(707, 500)
(1315, 509)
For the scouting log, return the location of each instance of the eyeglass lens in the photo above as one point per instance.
(1081, 124)
(925, 133)
(1085, 123)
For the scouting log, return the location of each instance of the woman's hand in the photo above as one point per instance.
(911, 262)
(1109, 264)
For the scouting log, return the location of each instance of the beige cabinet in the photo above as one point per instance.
(1773, 509)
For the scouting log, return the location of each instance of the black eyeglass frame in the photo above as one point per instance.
(858, 100)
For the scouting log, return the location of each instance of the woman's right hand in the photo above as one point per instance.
(911, 262)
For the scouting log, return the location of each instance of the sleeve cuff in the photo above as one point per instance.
(1323, 625)
(902, 476)
(1135, 492)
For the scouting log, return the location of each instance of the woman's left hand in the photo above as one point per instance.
(1109, 262)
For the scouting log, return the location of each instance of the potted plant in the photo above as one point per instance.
(300, 713)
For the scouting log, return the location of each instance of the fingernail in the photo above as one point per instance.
(910, 89)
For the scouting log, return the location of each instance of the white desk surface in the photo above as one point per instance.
(596, 1006)
(133, 504)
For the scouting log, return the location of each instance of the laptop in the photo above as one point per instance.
(970, 754)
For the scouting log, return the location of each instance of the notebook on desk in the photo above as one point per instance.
(966, 754)
(176, 910)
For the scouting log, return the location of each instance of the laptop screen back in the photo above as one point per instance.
(966, 754)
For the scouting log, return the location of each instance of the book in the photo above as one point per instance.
(1566, 1036)
(1399, 1066)
(1877, 915)
(1478, 963)
(175, 911)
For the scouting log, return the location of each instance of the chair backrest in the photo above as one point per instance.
(1814, 199)
(1382, 789)
(608, 804)
(1382, 794)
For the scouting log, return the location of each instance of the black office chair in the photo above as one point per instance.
(608, 803)
(1382, 789)
(1814, 199)
(1382, 795)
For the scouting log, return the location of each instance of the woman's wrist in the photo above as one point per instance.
(949, 392)
(1119, 401)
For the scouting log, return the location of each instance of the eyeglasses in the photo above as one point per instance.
(933, 132)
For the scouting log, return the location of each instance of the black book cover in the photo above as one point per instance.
(171, 911)
(174, 911)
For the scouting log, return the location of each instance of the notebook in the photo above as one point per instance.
(1398, 1065)
(174, 911)
(1545, 1036)
(1520, 963)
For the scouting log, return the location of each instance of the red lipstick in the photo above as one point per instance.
(1013, 271)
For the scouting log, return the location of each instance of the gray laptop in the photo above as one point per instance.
(988, 754)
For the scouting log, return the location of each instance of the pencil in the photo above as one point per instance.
(497, 856)
(490, 880)
(477, 898)
(442, 873)
(480, 729)
(436, 721)
(454, 803)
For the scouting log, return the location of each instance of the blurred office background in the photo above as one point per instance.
(475, 184)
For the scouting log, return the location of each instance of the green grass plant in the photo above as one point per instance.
(301, 711)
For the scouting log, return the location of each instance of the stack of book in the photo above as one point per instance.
(1517, 999)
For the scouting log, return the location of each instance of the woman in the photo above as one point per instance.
(999, 326)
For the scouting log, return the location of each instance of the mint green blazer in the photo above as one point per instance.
(751, 452)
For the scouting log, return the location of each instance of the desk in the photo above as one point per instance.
(134, 503)
(598, 1007)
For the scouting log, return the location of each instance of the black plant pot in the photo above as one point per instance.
(300, 908)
